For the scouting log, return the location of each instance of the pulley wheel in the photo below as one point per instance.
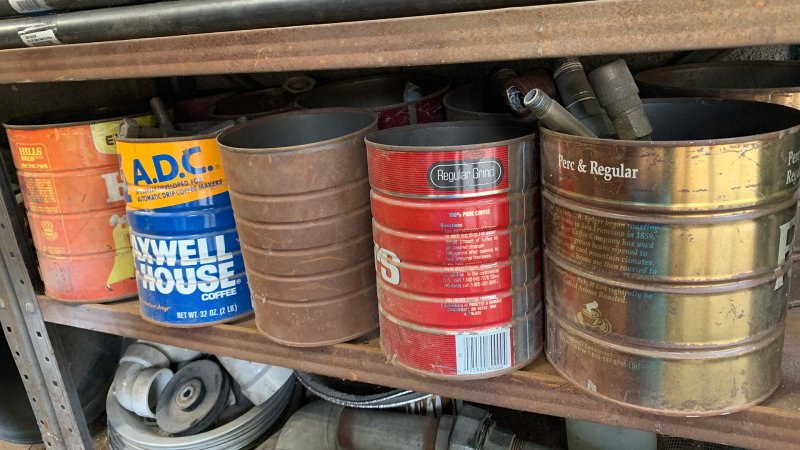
(193, 399)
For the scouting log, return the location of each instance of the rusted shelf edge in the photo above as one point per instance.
(535, 389)
(596, 27)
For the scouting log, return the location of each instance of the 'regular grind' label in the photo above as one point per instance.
(465, 175)
(439, 173)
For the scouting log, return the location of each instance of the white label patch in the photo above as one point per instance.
(483, 352)
(29, 6)
(40, 38)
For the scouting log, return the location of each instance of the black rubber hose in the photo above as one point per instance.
(205, 16)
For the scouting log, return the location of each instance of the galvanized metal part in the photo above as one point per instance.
(552, 115)
(666, 261)
(162, 116)
(515, 89)
(314, 203)
(325, 426)
(579, 99)
(52, 393)
(384, 95)
(473, 102)
(617, 92)
(128, 431)
(258, 382)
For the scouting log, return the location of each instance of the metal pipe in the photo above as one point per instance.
(579, 99)
(17, 7)
(206, 16)
(617, 92)
(325, 426)
(554, 116)
(160, 111)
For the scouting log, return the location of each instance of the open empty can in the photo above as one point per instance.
(764, 81)
(666, 261)
(70, 178)
(300, 193)
(457, 247)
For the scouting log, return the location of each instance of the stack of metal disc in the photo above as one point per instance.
(127, 431)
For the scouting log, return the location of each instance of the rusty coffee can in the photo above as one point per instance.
(299, 190)
(456, 232)
(666, 261)
(70, 178)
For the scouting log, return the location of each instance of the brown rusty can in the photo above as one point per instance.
(666, 261)
(393, 96)
(69, 174)
(299, 189)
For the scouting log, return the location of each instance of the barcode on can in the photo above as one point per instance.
(483, 352)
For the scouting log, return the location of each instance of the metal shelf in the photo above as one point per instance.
(536, 388)
(583, 28)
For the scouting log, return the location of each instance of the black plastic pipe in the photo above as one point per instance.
(205, 16)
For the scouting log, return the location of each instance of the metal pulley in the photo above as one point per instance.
(193, 399)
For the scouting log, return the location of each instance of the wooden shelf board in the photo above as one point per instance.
(582, 28)
(536, 388)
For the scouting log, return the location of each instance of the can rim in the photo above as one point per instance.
(312, 146)
(555, 320)
(685, 143)
(657, 214)
(99, 114)
(649, 78)
(435, 79)
(664, 287)
(530, 135)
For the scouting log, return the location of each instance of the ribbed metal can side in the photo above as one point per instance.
(463, 354)
(68, 170)
(299, 191)
(676, 383)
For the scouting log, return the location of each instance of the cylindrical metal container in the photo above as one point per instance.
(765, 81)
(394, 97)
(666, 261)
(69, 174)
(456, 231)
(188, 260)
(473, 102)
(298, 184)
(253, 104)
